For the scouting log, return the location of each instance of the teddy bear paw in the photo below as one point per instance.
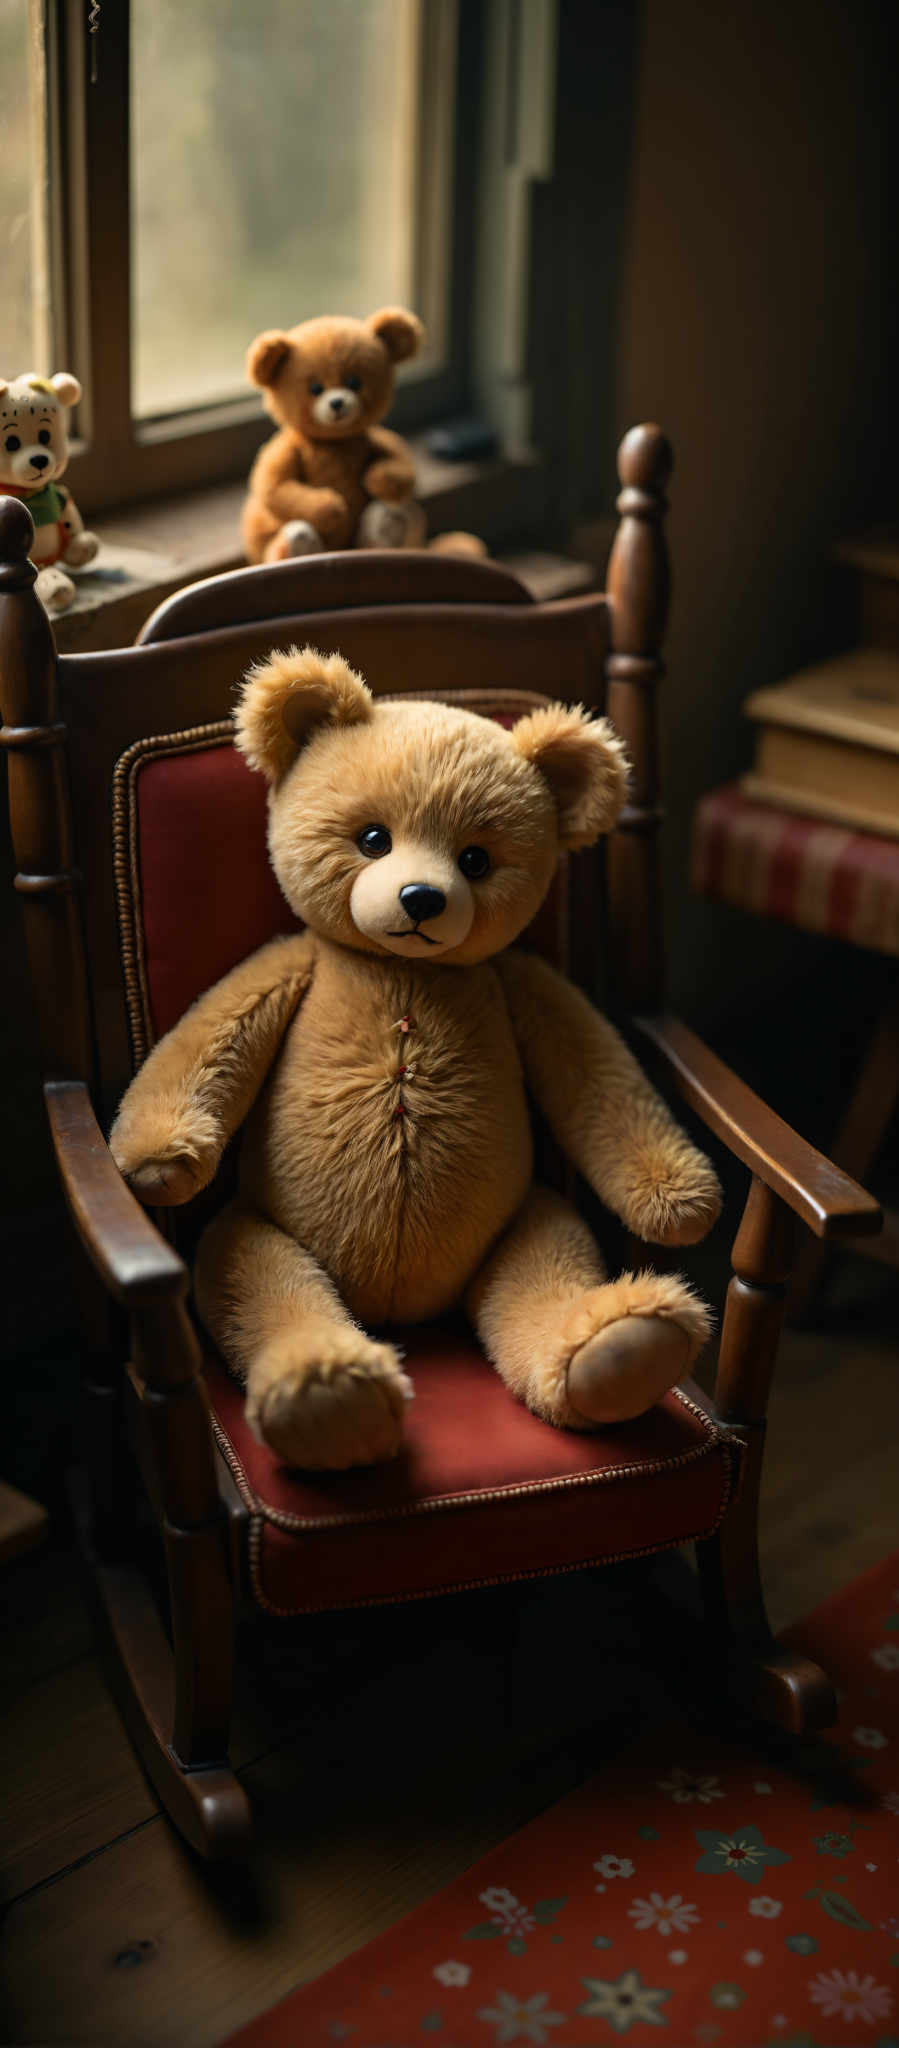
(298, 537)
(81, 550)
(55, 589)
(383, 525)
(328, 1400)
(626, 1368)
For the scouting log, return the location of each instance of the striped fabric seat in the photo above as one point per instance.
(803, 870)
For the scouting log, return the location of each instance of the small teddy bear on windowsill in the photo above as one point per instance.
(34, 451)
(333, 477)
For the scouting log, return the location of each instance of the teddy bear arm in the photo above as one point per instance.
(200, 1081)
(80, 547)
(604, 1111)
(391, 472)
(278, 482)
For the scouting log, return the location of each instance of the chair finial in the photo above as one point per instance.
(645, 459)
(16, 530)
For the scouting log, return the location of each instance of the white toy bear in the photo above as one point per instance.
(34, 451)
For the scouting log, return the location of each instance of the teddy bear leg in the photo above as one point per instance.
(579, 1349)
(295, 537)
(320, 1393)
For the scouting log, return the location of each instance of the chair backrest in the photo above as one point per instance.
(140, 834)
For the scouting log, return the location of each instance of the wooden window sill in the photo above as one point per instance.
(150, 550)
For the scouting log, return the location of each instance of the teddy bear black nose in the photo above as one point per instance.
(39, 461)
(336, 405)
(421, 902)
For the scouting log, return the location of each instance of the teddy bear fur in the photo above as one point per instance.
(332, 477)
(381, 1061)
(34, 452)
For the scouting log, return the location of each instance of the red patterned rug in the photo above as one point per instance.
(700, 1892)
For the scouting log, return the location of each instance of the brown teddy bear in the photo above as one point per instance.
(380, 1062)
(34, 451)
(332, 477)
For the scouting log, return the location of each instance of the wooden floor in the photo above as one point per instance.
(382, 1753)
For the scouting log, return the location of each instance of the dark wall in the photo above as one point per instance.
(755, 321)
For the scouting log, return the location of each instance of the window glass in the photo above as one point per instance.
(274, 152)
(19, 185)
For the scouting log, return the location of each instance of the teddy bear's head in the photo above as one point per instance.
(34, 437)
(331, 378)
(418, 829)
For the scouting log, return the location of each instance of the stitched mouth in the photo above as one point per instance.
(412, 933)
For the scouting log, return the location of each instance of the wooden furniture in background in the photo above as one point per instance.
(824, 855)
(78, 726)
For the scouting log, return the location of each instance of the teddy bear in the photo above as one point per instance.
(34, 451)
(332, 477)
(380, 1063)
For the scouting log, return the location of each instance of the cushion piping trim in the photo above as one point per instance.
(257, 1526)
(437, 1503)
(126, 867)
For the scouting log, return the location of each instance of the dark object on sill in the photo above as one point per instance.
(466, 440)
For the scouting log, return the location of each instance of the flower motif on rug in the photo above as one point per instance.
(686, 1786)
(517, 2019)
(845, 1995)
(727, 1996)
(890, 1802)
(833, 1845)
(613, 1866)
(887, 1657)
(743, 1851)
(507, 1912)
(870, 1738)
(452, 1974)
(667, 1916)
(625, 2003)
(765, 1908)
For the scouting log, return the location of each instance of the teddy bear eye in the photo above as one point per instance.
(354, 383)
(474, 862)
(314, 388)
(44, 437)
(374, 841)
(11, 443)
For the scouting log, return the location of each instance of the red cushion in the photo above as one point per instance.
(208, 896)
(483, 1491)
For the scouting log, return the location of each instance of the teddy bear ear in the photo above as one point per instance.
(266, 355)
(284, 700)
(402, 333)
(66, 387)
(585, 764)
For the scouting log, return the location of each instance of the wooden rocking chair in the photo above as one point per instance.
(133, 821)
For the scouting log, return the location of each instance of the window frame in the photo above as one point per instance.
(118, 458)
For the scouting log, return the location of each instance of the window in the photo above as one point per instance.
(228, 168)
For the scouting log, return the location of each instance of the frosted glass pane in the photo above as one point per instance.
(17, 185)
(273, 177)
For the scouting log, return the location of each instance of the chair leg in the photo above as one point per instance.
(204, 1799)
(778, 1685)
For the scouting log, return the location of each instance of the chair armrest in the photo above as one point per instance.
(826, 1199)
(130, 1254)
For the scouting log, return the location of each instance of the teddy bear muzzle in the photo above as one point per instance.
(393, 903)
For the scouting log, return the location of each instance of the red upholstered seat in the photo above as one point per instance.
(535, 1499)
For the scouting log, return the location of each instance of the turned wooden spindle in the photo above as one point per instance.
(40, 813)
(637, 586)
